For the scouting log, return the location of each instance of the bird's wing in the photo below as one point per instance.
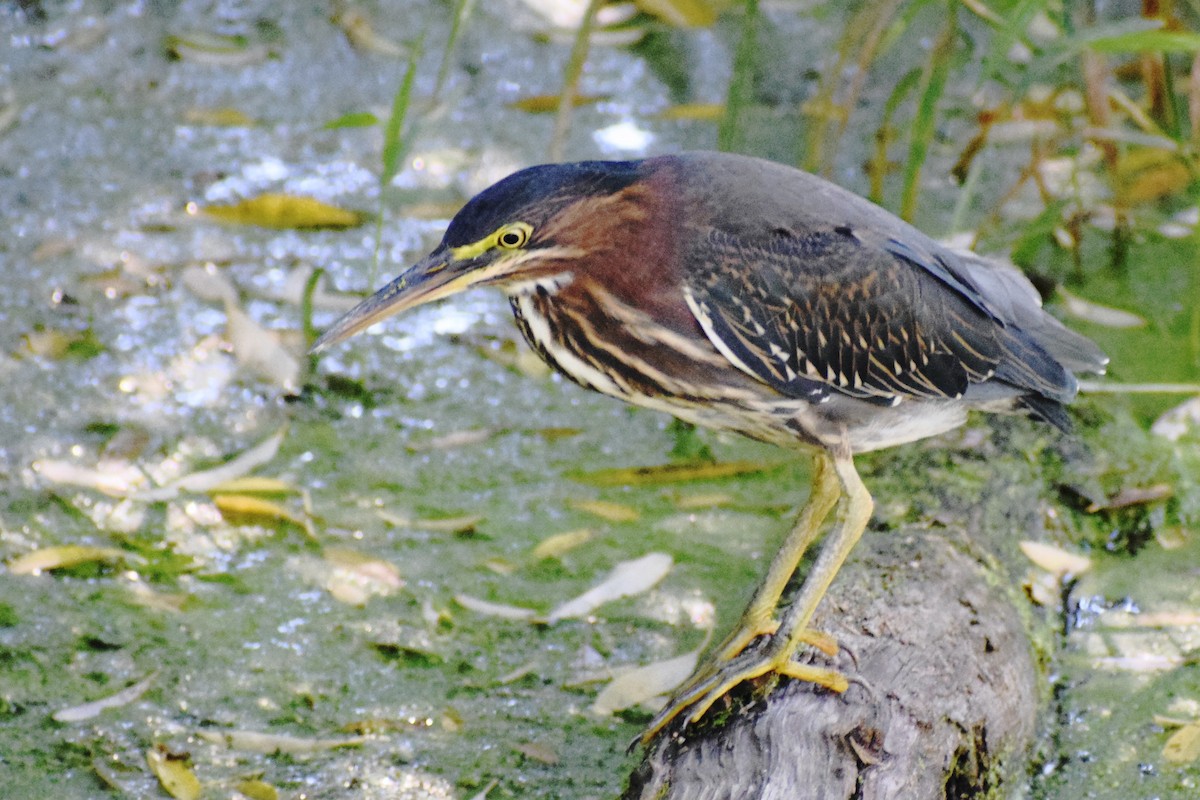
(827, 312)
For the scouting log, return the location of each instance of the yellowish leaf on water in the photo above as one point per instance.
(683, 13)
(1133, 496)
(215, 49)
(256, 742)
(1098, 314)
(671, 473)
(490, 609)
(1055, 560)
(257, 790)
(205, 480)
(463, 523)
(356, 577)
(247, 507)
(173, 773)
(361, 33)
(1183, 747)
(697, 112)
(542, 753)
(607, 510)
(561, 543)
(252, 484)
(86, 711)
(218, 117)
(639, 685)
(704, 500)
(548, 103)
(68, 555)
(627, 578)
(285, 211)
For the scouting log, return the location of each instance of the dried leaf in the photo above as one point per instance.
(1133, 496)
(86, 711)
(218, 117)
(706, 500)
(548, 103)
(627, 578)
(257, 790)
(671, 473)
(355, 577)
(1175, 422)
(68, 555)
(1098, 314)
(1183, 747)
(489, 609)
(538, 752)
(682, 13)
(214, 49)
(252, 484)
(613, 512)
(285, 211)
(174, 774)
(464, 523)
(561, 543)
(699, 112)
(454, 439)
(114, 478)
(641, 684)
(360, 32)
(1055, 560)
(242, 507)
(205, 480)
(256, 742)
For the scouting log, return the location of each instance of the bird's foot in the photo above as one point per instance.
(727, 669)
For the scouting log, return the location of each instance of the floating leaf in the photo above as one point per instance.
(355, 119)
(1174, 423)
(670, 473)
(205, 480)
(257, 790)
(68, 555)
(607, 510)
(1098, 314)
(58, 345)
(682, 13)
(698, 112)
(245, 507)
(548, 103)
(464, 523)
(255, 742)
(705, 500)
(173, 773)
(253, 484)
(115, 478)
(561, 543)
(92, 709)
(489, 609)
(285, 211)
(627, 578)
(538, 752)
(214, 49)
(1055, 560)
(355, 577)
(1184, 745)
(641, 684)
(1133, 496)
(360, 32)
(218, 117)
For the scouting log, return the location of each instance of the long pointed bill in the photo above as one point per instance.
(431, 278)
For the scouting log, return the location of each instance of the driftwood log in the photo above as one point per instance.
(945, 704)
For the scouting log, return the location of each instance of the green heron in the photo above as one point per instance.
(744, 295)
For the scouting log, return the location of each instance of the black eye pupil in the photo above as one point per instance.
(510, 239)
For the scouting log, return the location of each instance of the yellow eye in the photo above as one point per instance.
(513, 236)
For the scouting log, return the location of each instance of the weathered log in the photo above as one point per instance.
(944, 701)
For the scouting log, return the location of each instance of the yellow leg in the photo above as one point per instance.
(759, 617)
(713, 681)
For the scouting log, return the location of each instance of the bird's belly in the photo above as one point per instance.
(732, 401)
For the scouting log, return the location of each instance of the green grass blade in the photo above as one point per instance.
(933, 81)
(730, 134)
